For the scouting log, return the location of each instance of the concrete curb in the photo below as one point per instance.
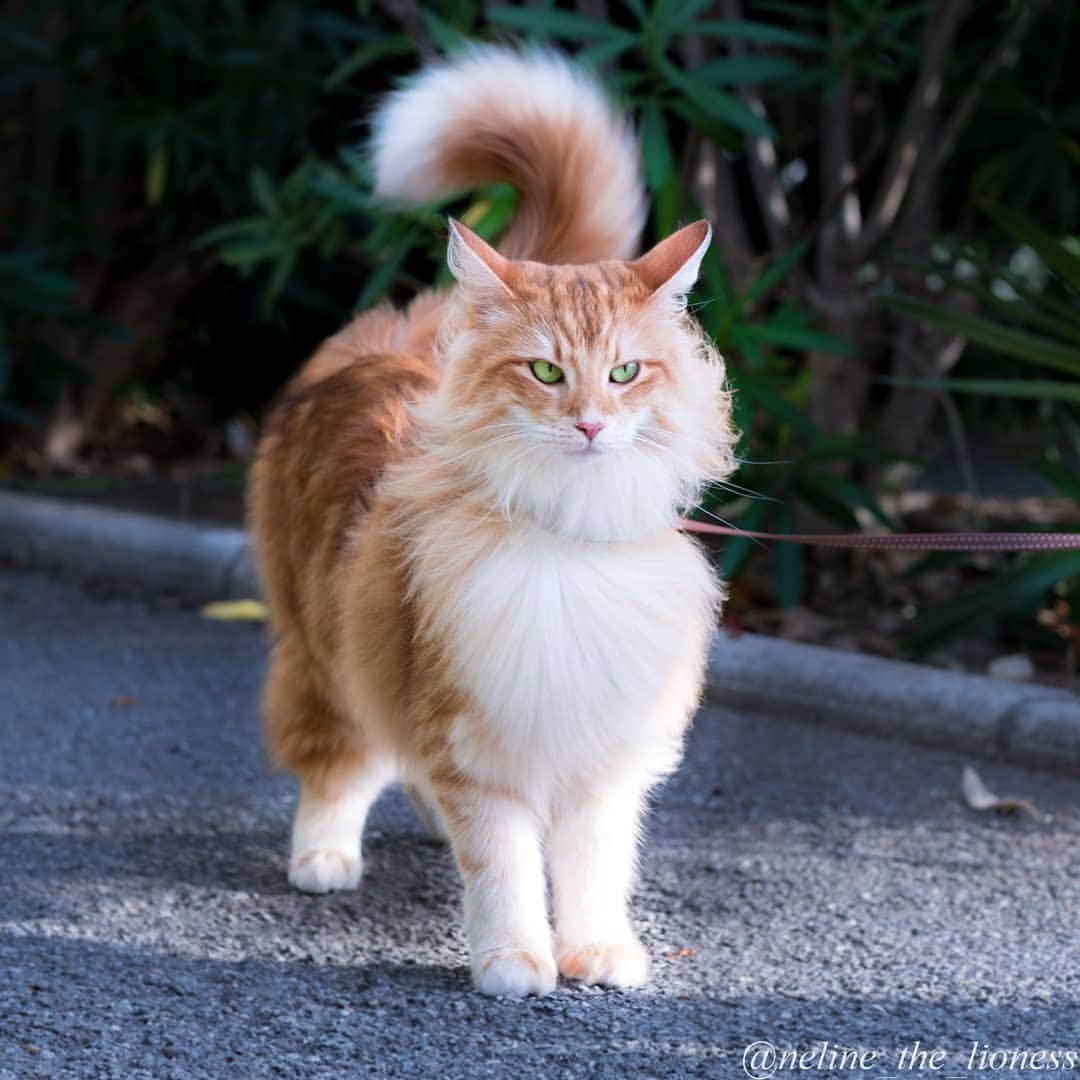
(198, 562)
(1029, 725)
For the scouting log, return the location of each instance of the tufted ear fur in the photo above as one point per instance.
(475, 263)
(671, 267)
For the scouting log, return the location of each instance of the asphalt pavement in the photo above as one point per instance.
(803, 889)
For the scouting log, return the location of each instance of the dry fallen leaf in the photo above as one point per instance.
(235, 611)
(680, 954)
(979, 797)
(124, 701)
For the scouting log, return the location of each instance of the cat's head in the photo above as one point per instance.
(585, 397)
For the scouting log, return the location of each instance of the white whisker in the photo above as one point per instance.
(729, 524)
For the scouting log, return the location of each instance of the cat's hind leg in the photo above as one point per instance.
(340, 776)
(325, 853)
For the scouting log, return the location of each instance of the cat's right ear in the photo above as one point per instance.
(671, 268)
(476, 264)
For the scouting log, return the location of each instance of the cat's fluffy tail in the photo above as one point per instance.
(529, 118)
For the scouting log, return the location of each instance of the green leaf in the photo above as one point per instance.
(762, 33)
(27, 285)
(555, 23)
(741, 341)
(789, 559)
(1037, 389)
(13, 35)
(367, 54)
(156, 176)
(821, 496)
(794, 10)
(850, 448)
(443, 36)
(850, 493)
(336, 28)
(746, 70)
(1039, 308)
(348, 196)
(1064, 309)
(877, 69)
(671, 17)
(655, 149)
(1066, 480)
(600, 53)
(1058, 258)
(241, 58)
(720, 106)
(772, 275)
(231, 230)
(737, 549)
(721, 134)
(1029, 313)
(668, 206)
(279, 278)
(1019, 343)
(176, 35)
(263, 193)
(1015, 589)
(492, 212)
(16, 414)
(802, 340)
(759, 389)
(389, 262)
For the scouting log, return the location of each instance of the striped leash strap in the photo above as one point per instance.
(972, 541)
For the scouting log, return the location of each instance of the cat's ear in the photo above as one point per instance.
(671, 268)
(473, 262)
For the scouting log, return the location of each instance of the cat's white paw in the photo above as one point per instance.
(514, 973)
(617, 963)
(323, 871)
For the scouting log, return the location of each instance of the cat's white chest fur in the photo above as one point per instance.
(574, 650)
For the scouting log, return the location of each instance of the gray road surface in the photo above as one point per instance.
(799, 886)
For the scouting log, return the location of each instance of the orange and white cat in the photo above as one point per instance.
(465, 517)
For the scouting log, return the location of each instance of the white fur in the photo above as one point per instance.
(467, 267)
(584, 660)
(579, 639)
(683, 280)
(505, 914)
(592, 848)
(517, 90)
(638, 475)
(326, 831)
(583, 657)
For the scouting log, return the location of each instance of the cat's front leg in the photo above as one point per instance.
(496, 842)
(592, 849)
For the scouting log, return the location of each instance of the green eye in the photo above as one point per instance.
(545, 372)
(624, 372)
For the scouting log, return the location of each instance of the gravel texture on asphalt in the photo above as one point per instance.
(799, 886)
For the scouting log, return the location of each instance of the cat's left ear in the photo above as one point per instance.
(671, 268)
(475, 263)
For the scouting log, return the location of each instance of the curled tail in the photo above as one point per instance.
(530, 119)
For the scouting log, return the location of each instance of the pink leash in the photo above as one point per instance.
(991, 541)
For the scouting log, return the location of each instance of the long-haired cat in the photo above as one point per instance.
(465, 516)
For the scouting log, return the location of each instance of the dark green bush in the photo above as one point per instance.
(186, 200)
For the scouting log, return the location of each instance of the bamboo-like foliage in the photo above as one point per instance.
(837, 146)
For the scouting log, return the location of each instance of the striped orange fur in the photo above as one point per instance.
(474, 575)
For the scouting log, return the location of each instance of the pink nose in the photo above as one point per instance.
(590, 431)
